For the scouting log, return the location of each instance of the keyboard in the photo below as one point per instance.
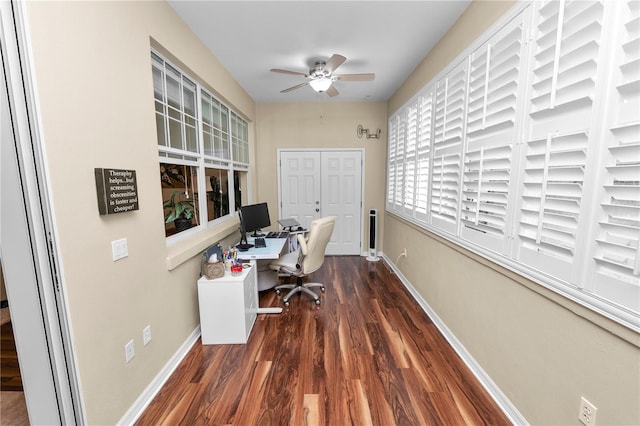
(259, 242)
(281, 234)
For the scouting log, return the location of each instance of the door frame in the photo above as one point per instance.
(32, 271)
(321, 150)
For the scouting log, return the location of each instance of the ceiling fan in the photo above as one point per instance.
(321, 76)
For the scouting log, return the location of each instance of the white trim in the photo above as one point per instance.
(145, 398)
(489, 385)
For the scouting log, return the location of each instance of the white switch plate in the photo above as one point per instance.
(129, 351)
(146, 335)
(119, 249)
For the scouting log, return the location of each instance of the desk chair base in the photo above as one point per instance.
(299, 287)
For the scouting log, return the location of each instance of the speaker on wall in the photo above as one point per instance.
(373, 236)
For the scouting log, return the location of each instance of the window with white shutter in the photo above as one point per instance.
(617, 253)
(526, 150)
(410, 165)
(400, 154)
(558, 134)
(448, 128)
(554, 173)
(494, 90)
(392, 159)
(425, 118)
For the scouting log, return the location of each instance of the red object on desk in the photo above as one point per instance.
(236, 269)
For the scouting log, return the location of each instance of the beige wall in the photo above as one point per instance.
(319, 126)
(543, 351)
(93, 73)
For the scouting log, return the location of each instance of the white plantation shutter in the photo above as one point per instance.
(392, 160)
(492, 102)
(449, 120)
(554, 173)
(617, 252)
(425, 118)
(410, 165)
(566, 51)
(400, 157)
(526, 150)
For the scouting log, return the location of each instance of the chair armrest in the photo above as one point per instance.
(302, 243)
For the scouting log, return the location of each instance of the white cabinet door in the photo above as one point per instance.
(314, 184)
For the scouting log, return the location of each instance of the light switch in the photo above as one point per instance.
(119, 249)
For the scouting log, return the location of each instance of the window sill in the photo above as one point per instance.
(186, 249)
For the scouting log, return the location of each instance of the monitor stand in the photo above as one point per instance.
(243, 246)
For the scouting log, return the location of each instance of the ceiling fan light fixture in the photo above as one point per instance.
(320, 84)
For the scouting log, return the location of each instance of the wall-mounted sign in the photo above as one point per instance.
(117, 190)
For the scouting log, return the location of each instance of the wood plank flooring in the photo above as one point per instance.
(367, 355)
(10, 379)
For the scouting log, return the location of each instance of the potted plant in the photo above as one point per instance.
(179, 212)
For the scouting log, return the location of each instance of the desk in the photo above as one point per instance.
(273, 250)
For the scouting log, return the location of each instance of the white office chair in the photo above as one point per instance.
(307, 259)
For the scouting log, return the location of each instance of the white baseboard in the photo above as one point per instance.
(494, 391)
(156, 384)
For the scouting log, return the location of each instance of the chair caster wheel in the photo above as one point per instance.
(317, 301)
(322, 289)
(286, 303)
(278, 292)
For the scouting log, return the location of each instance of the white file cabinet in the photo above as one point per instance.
(228, 307)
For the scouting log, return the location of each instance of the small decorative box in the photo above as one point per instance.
(213, 270)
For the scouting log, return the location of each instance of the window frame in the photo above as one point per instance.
(199, 158)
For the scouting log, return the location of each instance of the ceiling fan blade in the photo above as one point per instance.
(294, 87)
(334, 62)
(331, 91)
(355, 77)
(289, 72)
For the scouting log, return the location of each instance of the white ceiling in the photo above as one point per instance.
(388, 38)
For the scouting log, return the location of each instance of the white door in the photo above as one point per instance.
(37, 310)
(314, 184)
(300, 186)
(341, 196)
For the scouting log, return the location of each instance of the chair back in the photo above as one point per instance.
(320, 231)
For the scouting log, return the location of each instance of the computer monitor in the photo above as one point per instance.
(254, 217)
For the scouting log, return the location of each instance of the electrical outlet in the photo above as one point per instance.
(129, 351)
(146, 335)
(587, 414)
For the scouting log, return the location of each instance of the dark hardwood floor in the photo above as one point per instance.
(10, 379)
(367, 355)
